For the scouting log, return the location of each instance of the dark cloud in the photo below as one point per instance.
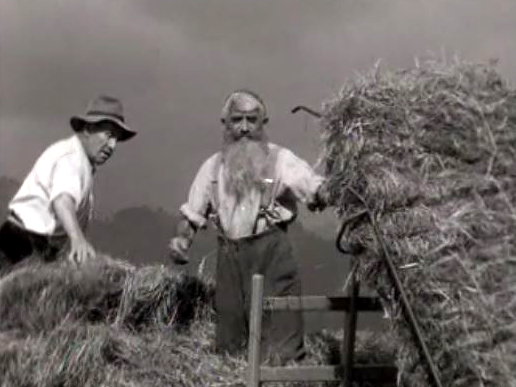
(173, 62)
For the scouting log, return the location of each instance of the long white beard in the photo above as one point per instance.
(245, 162)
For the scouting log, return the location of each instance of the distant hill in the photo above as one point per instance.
(140, 235)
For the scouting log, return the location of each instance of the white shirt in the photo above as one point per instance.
(294, 180)
(62, 168)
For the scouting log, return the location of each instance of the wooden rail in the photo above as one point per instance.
(323, 303)
(346, 372)
(372, 374)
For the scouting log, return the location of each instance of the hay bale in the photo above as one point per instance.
(157, 295)
(431, 152)
(38, 298)
(66, 327)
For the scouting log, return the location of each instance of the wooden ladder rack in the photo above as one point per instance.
(346, 372)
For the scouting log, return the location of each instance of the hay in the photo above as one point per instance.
(431, 152)
(156, 295)
(105, 355)
(112, 325)
(108, 324)
(38, 298)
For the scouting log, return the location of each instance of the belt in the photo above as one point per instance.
(45, 245)
(274, 228)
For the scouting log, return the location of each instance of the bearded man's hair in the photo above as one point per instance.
(228, 102)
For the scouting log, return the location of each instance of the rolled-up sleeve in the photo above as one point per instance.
(199, 197)
(298, 176)
(66, 179)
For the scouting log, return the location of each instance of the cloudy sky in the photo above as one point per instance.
(172, 62)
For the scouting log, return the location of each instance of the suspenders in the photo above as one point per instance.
(270, 188)
(215, 200)
(268, 194)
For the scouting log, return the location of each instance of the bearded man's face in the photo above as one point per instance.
(245, 151)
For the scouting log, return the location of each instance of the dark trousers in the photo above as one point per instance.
(16, 244)
(269, 254)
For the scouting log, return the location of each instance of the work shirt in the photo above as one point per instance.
(63, 168)
(291, 180)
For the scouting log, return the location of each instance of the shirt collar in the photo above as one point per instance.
(80, 148)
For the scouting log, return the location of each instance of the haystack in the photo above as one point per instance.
(430, 152)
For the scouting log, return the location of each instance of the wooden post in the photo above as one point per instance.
(255, 331)
(350, 327)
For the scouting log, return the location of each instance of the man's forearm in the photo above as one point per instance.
(181, 242)
(64, 208)
(80, 249)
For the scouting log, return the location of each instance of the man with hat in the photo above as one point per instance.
(250, 189)
(53, 206)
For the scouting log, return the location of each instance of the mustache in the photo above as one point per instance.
(231, 137)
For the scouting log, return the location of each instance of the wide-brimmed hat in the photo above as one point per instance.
(103, 108)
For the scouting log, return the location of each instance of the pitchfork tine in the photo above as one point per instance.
(307, 110)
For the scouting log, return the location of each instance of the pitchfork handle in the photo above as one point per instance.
(434, 376)
(307, 110)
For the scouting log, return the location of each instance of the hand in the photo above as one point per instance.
(81, 251)
(321, 200)
(316, 206)
(178, 248)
